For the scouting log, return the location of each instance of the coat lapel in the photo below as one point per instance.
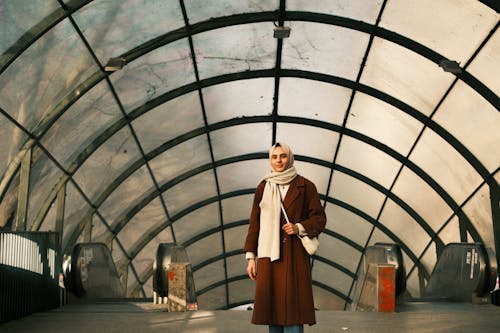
(294, 191)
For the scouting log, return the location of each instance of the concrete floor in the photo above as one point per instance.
(146, 317)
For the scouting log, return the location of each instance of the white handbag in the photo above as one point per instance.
(310, 244)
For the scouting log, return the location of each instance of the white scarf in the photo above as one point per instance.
(270, 213)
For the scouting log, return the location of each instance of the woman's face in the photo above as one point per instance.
(279, 160)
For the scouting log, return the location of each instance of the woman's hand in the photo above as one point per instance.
(290, 229)
(252, 269)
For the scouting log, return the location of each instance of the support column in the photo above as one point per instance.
(495, 217)
(23, 193)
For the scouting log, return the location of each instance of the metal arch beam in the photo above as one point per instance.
(238, 23)
(493, 4)
(268, 73)
(238, 19)
(263, 17)
(390, 234)
(337, 202)
(208, 137)
(482, 1)
(29, 37)
(351, 133)
(254, 74)
(247, 75)
(139, 245)
(243, 277)
(146, 275)
(38, 30)
(126, 216)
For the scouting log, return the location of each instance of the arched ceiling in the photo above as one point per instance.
(391, 108)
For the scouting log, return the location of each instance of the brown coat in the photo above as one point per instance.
(283, 294)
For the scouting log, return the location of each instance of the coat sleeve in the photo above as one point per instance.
(314, 217)
(252, 238)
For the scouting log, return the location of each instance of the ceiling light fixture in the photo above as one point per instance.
(282, 32)
(115, 64)
(450, 66)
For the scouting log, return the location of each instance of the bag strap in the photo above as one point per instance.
(283, 208)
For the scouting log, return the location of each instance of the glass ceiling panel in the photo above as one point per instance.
(181, 158)
(237, 208)
(128, 193)
(213, 299)
(141, 224)
(464, 114)
(331, 277)
(308, 140)
(445, 166)
(384, 123)
(347, 224)
(114, 27)
(478, 209)
(18, 16)
(242, 139)
(413, 283)
(11, 140)
(117, 254)
(235, 49)
(38, 84)
(238, 99)
(485, 65)
(144, 259)
(324, 49)
(319, 175)
(169, 120)
(209, 274)
(429, 258)
(405, 75)
(379, 236)
(234, 238)
(198, 10)
(131, 283)
(44, 174)
(451, 231)
(240, 291)
(339, 252)
(422, 199)
(164, 236)
(363, 10)
(212, 273)
(452, 28)
(29, 86)
(101, 233)
(242, 175)
(313, 99)
(148, 287)
(190, 191)
(75, 205)
(153, 74)
(112, 158)
(401, 224)
(49, 222)
(368, 161)
(357, 194)
(196, 222)
(93, 113)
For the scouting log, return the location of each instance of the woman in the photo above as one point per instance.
(283, 294)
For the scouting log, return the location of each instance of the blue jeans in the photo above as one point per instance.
(286, 329)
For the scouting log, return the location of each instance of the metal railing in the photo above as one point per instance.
(29, 273)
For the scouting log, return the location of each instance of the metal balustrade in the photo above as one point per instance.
(29, 273)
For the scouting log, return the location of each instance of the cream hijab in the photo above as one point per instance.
(270, 206)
